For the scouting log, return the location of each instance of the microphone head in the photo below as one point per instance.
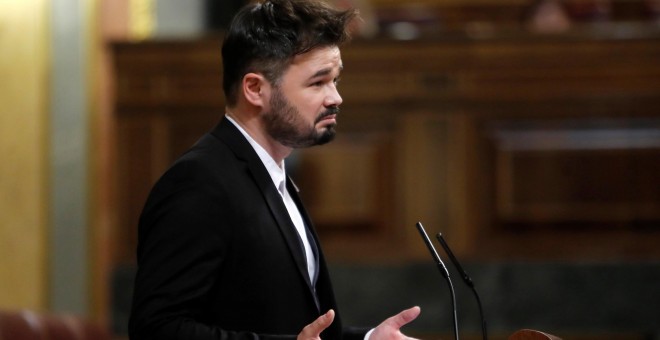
(434, 253)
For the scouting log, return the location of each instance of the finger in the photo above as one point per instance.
(404, 317)
(314, 329)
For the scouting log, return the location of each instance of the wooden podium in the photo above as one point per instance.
(530, 334)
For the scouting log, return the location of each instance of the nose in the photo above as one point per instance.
(333, 98)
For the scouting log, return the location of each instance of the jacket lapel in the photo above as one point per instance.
(228, 133)
(313, 238)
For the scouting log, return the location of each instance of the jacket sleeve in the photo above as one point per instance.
(181, 249)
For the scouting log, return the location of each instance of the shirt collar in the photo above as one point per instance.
(277, 172)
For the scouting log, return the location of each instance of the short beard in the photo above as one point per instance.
(284, 124)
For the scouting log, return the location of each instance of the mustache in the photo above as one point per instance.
(333, 110)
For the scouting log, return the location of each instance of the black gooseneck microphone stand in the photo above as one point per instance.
(443, 271)
(466, 278)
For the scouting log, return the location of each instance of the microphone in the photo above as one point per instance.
(466, 278)
(443, 271)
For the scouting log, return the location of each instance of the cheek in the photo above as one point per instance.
(309, 106)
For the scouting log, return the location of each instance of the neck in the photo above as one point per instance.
(253, 126)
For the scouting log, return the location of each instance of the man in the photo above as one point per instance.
(225, 247)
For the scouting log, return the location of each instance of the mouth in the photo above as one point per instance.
(327, 121)
(329, 115)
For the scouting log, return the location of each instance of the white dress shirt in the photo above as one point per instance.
(278, 175)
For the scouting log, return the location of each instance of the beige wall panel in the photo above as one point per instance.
(23, 126)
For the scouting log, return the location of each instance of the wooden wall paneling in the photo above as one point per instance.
(596, 177)
(167, 97)
(418, 125)
(471, 194)
(164, 75)
(563, 190)
(348, 188)
(424, 178)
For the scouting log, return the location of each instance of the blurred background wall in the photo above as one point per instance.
(24, 131)
(527, 132)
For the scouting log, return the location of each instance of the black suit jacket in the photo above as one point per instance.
(218, 256)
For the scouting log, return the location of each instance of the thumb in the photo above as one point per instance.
(404, 317)
(314, 329)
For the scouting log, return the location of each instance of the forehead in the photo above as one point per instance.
(316, 60)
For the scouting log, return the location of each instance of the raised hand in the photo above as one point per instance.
(314, 329)
(390, 329)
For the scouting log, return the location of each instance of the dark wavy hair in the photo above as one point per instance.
(264, 37)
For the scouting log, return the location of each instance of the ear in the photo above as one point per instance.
(255, 89)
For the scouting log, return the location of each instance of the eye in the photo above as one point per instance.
(325, 81)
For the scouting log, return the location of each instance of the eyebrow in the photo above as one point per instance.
(325, 71)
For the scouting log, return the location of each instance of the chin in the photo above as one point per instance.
(326, 136)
